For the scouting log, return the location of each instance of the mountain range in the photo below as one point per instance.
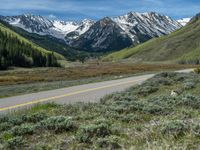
(107, 34)
(181, 46)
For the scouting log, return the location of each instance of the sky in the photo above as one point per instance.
(97, 9)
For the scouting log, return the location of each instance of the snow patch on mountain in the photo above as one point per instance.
(65, 27)
(43, 26)
(151, 24)
(184, 21)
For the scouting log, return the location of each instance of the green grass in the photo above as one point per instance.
(142, 117)
(181, 46)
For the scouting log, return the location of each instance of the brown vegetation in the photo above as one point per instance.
(23, 76)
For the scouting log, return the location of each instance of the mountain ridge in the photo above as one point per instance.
(43, 26)
(139, 27)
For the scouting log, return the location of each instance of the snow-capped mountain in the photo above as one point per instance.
(43, 26)
(106, 34)
(139, 27)
(81, 29)
(30, 23)
(184, 21)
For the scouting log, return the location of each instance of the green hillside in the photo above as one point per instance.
(182, 46)
(18, 51)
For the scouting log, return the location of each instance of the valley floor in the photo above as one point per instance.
(23, 81)
(145, 116)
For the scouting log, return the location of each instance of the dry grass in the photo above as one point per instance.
(24, 76)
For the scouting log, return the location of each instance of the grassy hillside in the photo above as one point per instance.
(15, 50)
(181, 46)
(142, 117)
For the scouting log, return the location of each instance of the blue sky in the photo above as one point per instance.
(96, 9)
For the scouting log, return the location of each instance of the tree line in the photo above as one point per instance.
(17, 52)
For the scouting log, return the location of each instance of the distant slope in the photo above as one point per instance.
(181, 46)
(15, 50)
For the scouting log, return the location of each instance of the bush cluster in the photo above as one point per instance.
(146, 90)
(197, 70)
(58, 124)
(34, 118)
(189, 85)
(111, 142)
(15, 142)
(175, 128)
(190, 101)
(88, 132)
(24, 129)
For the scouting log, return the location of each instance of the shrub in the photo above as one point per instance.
(111, 142)
(197, 70)
(15, 142)
(181, 77)
(155, 109)
(7, 136)
(175, 128)
(15, 120)
(146, 90)
(117, 108)
(93, 130)
(36, 117)
(189, 85)
(43, 146)
(58, 124)
(130, 118)
(136, 106)
(166, 74)
(4, 119)
(165, 81)
(196, 130)
(191, 101)
(164, 101)
(24, 129)
(5, 126)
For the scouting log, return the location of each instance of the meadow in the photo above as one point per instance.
(28, 80)
(145, 116)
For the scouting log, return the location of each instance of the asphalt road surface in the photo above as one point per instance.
(82, 93)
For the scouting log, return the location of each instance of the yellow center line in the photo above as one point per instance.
(65, 95)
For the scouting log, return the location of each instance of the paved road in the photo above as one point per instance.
(82, 93)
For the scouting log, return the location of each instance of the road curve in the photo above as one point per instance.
(82, 93)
